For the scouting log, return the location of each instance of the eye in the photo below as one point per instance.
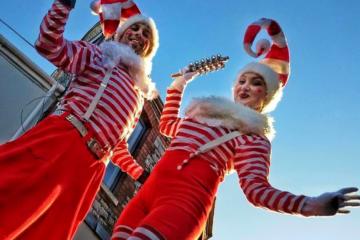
(241, 81)
(135, 27)
(258, 82)
(146, 33)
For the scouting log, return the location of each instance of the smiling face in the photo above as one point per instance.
(250, 90)
(138, 36)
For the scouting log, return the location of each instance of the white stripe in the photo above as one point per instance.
(273, 198)
(282, 201)
(264, 196)
(147, 233)
(121, 235)
(134, 238)
(249, 161)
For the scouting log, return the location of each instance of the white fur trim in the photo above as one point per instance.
(111, 11)
(147, 20)
(115, 53)
(273, 84)
(219, 111)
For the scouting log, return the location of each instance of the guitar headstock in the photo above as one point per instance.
(206, 65)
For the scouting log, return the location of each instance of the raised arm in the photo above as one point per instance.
(170, 120)
(67, 55)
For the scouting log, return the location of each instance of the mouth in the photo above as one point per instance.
(244, 95)
(136, 43)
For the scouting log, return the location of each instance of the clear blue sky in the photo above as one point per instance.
(317, 147)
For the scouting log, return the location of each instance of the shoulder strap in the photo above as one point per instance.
(210, 145)
(98, 95)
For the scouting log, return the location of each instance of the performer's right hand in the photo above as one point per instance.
(68, 3)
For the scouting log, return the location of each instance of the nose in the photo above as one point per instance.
(246, 87)
(139, 33)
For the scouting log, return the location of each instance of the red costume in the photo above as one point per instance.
(177, 198)
(218, 136)
(50, 175)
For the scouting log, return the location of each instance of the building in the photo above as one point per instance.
(24, 88)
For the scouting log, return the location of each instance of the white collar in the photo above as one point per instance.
(219, 111)
(115, 53)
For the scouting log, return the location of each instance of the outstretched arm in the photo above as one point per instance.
(170, 120)
(67, 55)
(252, 162)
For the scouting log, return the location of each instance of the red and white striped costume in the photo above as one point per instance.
(119, 108)
(247, 154)
(49, 175)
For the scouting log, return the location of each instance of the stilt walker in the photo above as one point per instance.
(216, 137)
(49, 177)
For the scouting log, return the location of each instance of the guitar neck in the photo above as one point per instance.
(206, 65)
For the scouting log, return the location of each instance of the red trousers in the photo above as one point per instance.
(48, 181)
(173, 204)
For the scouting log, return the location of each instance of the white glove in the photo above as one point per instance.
(180, 81)
(329, 204)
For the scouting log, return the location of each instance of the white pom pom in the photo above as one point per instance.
(95, 7)
(262, 46)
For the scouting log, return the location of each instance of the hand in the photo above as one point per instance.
(331, 203)
(68, 3)
(184, 77)
(187, 75)
(145, 174)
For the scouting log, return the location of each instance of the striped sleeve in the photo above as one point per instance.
(170, 121)
(67, 55)
(122, 158)
(252, 163)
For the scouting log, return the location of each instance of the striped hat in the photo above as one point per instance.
(275, 66)
(111, 12)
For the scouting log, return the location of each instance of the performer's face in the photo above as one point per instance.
(250, 90)
(138, 36)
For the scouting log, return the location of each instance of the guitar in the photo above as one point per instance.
(206, 65)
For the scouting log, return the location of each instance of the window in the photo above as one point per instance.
(113, 173)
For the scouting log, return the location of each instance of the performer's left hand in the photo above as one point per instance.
(143, 177)
(184, 78)
(331, 203)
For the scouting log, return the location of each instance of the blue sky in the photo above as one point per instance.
(317, 146)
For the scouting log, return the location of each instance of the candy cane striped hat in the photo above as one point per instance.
(275, 66)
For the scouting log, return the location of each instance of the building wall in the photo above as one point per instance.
(23, 85)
